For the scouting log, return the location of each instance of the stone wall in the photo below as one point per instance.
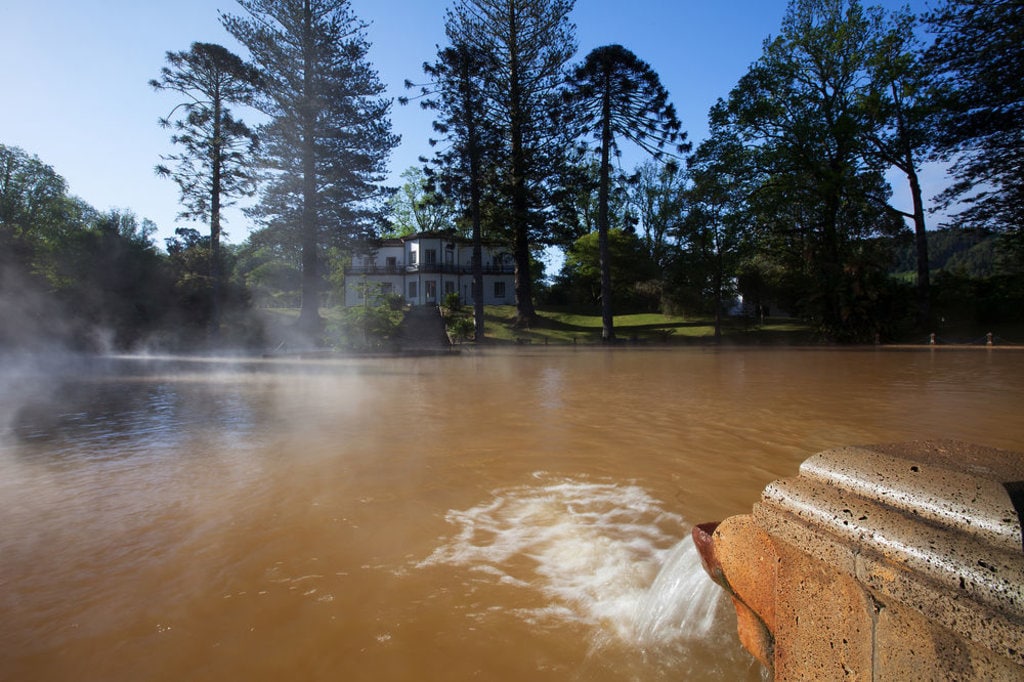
(890, 562)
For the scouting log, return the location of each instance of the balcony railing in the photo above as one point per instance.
(428, 268)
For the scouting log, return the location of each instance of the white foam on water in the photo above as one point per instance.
(602, 554)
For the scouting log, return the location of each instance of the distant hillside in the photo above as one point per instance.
(969, 251)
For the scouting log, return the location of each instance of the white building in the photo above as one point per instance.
(427, 266)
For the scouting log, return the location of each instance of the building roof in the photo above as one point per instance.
(434, 234)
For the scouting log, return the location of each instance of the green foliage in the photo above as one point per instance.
(714, 235)
(452, 303)
(972, 252)
(461, 328)
(216, 162)
(819, 203)
(416, 208)
(978, 59)
(899, 115)
(68, 274)
(576, 200)
(113, 279)
(273, 279)
(36, 212)
(372, 325)
(193, 290)
(614, 94)
(633, 274)
(658, 197)
(961, 301)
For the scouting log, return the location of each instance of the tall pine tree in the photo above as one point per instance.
(215, 164)
(329, 136)
(457, 96)
(978, 59)
(530, 41)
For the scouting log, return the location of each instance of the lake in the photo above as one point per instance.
(496, 515)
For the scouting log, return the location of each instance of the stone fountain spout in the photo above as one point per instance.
(889, 562)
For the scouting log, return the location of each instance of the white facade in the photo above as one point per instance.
(426, 267)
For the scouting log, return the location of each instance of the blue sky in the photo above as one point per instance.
(75, 73)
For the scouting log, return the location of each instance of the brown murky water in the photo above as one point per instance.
(497, 517)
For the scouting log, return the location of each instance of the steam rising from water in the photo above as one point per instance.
(604, 555)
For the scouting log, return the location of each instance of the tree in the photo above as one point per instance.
(978, 60)
(613, 94)
(530, 41)
(458, 97)
(37, 218)
(658, 196)
(631, 271)
(713, 234)
(417, 208)
(898, 121)
(112, 277)
(36, 211)
(215, 164)
(329, 135)
(821, 203)
(575, 200)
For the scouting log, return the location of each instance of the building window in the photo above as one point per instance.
(430, 257)
(387, 288)
(430, 290)
(412, 257)
(413, 291)
(392, 263)
(499, 290)
(449, 287)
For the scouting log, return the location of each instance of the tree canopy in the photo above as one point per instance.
(978, 59)
(821, 203)
(329, 136)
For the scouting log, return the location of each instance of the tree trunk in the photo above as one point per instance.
(474, 201)
(607, 319)
(215, 189)
(921, 242)
(719, 282)
(525, 312)
(309, 321)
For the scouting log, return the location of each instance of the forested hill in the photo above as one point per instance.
(970, 252)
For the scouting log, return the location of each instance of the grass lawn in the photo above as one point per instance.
(562, 327)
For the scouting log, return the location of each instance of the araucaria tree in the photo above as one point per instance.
(615, 94)
(215, 164)
(326, 145)
(530, 41)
